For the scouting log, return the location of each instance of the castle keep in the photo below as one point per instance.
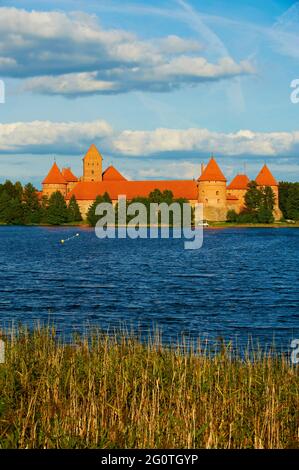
(210, 188)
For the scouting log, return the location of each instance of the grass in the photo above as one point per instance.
(118, 392)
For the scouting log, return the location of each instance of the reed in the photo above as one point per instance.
(119, 392)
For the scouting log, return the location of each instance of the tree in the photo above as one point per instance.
(32, 209)
(293, 202)
(283, 193)
(11, 206)
(57, 212)
(232, 216)
(74, 214)
(265, 209)
(92, 218)
(253, 197)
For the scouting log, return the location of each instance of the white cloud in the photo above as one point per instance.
(247, 142)
(47, 136)
(75, 137)
(71, 54)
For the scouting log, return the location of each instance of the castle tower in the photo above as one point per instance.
(92, 165)
(238, 188)
(265, 178)
(212, 192)
(53, 182)
(70, 178)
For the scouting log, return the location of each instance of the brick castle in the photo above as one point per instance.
(210, 188)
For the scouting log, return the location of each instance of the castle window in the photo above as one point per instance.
(207, 200)
(92, 172)
(218, 201)
(217, 193)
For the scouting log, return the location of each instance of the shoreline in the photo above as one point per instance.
(213, 225)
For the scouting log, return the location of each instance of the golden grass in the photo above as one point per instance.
(117, 392)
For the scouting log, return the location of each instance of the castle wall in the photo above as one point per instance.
(49, 189)
(240, 194)
(212, 194)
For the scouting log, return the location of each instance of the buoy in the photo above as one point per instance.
(70, 238)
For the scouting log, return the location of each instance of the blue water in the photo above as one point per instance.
(242, 283)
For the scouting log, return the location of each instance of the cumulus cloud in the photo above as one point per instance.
(75, 137)
(246, 142)
(71, 54)
(48, 136)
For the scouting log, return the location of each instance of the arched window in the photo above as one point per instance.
(217, 193)
(207, 200)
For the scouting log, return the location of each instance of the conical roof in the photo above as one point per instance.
(212, 172)
(112, 174)
(54, 176)
(265, 177)
(69, 175)
(239, 182)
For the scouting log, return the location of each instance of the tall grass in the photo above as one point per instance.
(117, 392)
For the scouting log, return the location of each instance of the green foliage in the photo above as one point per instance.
(74, 214)
(11, 204)
(289, 200)
(259, 205)
(32, 208)
(56, 213)
(92, 218)
(232, 216)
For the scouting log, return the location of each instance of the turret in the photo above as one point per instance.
(212, 192)
(54, 181)
(265, 178)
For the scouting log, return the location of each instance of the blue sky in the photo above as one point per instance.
(158, 86)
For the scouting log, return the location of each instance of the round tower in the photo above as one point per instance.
(212, 192)
(54, 181)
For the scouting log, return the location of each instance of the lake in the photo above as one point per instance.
(242, 283)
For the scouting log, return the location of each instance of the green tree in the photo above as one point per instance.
(293, 202)
(283, 194)
(32, 208)
(92, 218)
(57, 212)
(265, 210)
(74, 214)
(253, 197)
(232, 216)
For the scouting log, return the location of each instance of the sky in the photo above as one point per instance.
(158, 86)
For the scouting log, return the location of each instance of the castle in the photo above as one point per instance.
(210, 188)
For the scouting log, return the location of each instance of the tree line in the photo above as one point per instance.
(21, 206)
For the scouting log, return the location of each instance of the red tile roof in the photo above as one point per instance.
(92, 152)
(212, 172)
(239, 182)
(69, 175)
(54, 176)
(90, 190)
(265, 177)
(111, 174)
